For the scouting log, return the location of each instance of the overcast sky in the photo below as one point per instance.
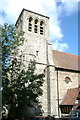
(63, 19)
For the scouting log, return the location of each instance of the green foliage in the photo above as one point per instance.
(20, 86)
(10, 39)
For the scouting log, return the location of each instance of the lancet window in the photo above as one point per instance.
(41, 27)
(36, 26)
(30, 24)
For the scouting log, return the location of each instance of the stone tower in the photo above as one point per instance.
(39, 47)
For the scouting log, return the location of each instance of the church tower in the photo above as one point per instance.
(39, 48)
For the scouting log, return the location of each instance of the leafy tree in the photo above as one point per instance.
(20, 87)
(9, 39)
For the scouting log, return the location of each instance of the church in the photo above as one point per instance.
(62, 73)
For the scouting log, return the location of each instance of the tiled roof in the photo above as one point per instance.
(70, 97)
(65, 60)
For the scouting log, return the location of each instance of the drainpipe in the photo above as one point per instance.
(58, 94)
(48, 82)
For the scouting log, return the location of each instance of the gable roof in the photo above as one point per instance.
(65, 60)
(70, 97)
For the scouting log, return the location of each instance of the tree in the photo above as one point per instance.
(20, 87)
(10, 39)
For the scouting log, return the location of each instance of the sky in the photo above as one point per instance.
(63, 23)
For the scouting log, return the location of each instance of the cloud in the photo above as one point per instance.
(2, 15)
(67, 8)
(60, 46)
(12, 9)
(67, 0)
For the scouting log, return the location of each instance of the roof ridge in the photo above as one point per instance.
(73, 88)
(65, 53)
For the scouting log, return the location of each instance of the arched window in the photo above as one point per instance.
(67, 79)
(30, 24)
(41, 27)
(20, 23)
(36, 26)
